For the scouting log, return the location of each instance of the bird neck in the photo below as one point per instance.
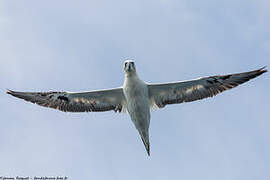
(131, 76)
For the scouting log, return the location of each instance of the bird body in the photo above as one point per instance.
(138, 105)
(137, 97)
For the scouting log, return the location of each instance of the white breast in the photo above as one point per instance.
(136, 93)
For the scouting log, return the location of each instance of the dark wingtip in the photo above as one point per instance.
(263, 69)
(9, 91)
(12, 93)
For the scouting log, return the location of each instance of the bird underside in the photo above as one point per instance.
(159, 95)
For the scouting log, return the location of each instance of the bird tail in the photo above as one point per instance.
(145, 140)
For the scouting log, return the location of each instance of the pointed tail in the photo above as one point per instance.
(145, 140)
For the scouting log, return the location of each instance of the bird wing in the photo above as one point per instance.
(96, 101)
(187, 91)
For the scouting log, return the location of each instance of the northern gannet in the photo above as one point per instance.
(137, 97)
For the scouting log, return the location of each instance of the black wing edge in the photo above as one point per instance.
(23, 95)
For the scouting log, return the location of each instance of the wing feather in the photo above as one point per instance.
(96, 101)
(187, 91)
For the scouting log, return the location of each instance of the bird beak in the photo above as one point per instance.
(129, 68)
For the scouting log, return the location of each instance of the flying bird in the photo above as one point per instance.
(137, 97)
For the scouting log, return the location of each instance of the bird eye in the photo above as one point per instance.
(125, 64)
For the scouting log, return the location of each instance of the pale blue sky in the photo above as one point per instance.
(81, 45)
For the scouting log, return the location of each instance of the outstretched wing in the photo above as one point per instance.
(186, 91)
(103, 100)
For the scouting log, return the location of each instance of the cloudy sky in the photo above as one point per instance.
(81, 45)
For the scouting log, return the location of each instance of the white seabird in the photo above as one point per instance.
(137, 97)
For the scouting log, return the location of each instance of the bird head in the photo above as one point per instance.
(129, 66)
